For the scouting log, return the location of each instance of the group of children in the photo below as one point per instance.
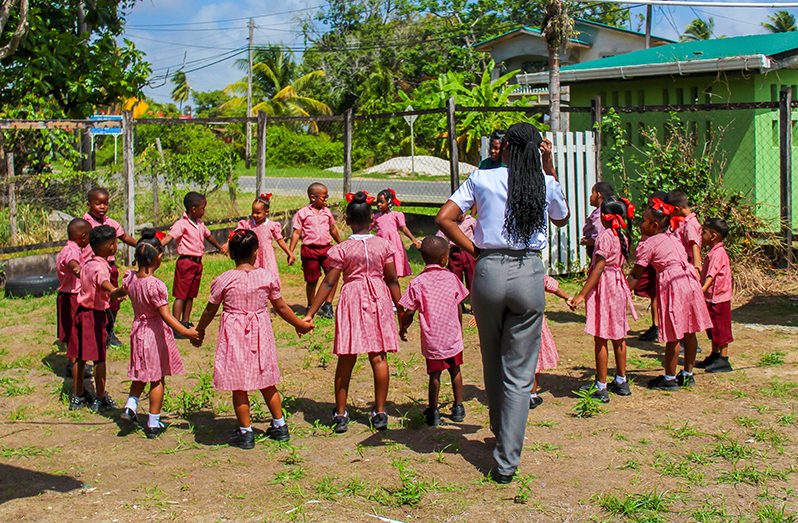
(370, 299)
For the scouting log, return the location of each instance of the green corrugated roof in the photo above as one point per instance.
(529, 29)
(621, 29)
(766, 44)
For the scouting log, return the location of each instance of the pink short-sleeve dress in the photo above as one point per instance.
(267, 232)
(387, 225)
(548, 358)
(246, 351)
(153, 351)
(682, 309)
(365, 320)
(607, 304)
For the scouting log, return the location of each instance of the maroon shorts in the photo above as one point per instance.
(442, 365)
(114, 279)
(89, 336)
(66, 305)
(647, 284)
(721, 331)
(313, 258)
(462, 265)
(188, 274)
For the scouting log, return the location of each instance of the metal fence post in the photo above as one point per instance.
(260, 180)
(12, 197)
(785, 161)
(130, 176)
(595, 114)
(348, 130)
(454, 157)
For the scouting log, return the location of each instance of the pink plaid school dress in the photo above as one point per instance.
(153, 351)
(548, 358)
(246, 351)
(266, 232)
(689, 232)
(607, 304)
(364, 320)
(387, 225)
(682, 309)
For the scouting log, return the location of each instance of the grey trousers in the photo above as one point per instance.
(508, 301)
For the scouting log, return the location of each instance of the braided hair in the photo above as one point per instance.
(614, 205)
(243, 244)
(526, 185)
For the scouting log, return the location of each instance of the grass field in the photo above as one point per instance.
(723, 450)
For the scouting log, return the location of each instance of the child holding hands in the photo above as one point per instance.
(389, 224)
(267, 232)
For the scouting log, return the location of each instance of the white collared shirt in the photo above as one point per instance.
(488, 190)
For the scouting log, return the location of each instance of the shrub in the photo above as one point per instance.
(289, 148)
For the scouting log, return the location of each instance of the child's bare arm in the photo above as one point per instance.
(128, 239)
(562, 294)
(294, 240)
(708, 283)
(696, 249)
(409, 234)
(74, 266)
(392, 281)
(166, 239)
(166, 316)
(213, 241)
(335, 233)
(207, 317)
(405, 320)
(590, 284)
(634, 276)
(115, 294)
(588, 242)
(326, 287)
(285, 312)
(288, 252)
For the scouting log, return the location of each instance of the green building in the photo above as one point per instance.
(741, 69)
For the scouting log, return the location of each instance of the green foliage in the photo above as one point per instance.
(14, 387)
(780, 22)
(289, 148)
(189, 402)
(587, 406)
(207, 103)
(771, 359)
(648, 506)
(614, 156)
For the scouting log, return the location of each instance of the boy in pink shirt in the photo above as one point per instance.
(436, 294)
(688, 229)
(67, 266)
(717, 283)
(190, 233)
(315, 225)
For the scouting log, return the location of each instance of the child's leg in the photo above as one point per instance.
(343, 373)
(78, 366)
(619, 348)
(600, 349)
(434, 389)
(274, 401)
(690, 351)
(332, 292)
(157, 389)
(99, 378)
(457, 384)
(187, 310)
(672, 357)
(241, 406)
(723, 350)
(379, 366)
(654, 311)
(535, 384)
(310, 290)
(136, 388)
(177, 308)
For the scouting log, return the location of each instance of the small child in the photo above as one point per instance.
(686, 227)
(388, 224)
(67, 266)
(717, 278)
(436, 294)
(246, 351)
(98, 208)
(608, 298)
(494, 159)
(600, 193)
(680, 304)
(461, 263)
(89, 334)
(315, 225)
(549, 357)
(153, 351)
(267, 231)
(647, 286)
(190, 233)
(365, 322)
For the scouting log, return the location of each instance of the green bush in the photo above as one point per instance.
(289, 148)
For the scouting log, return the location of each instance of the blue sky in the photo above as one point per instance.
(205, 31)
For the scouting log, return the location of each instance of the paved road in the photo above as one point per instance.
(411, 191)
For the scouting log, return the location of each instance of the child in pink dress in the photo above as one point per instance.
(436, 294)
(388, 224)
(267, 231)
(549, 357)
(681, 307)
(608, 298)
(153, 351)
(246, 351)
(600, 193)
(365, 322)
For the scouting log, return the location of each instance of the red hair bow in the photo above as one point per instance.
(659, 205)
(233, 233)
(630, 208)
(267, 196)
(676, 221)
(616, 222)
(160, 235)
(351, 196)
(394, 199)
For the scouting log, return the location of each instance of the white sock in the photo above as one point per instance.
(245, 429)
(278, 422)
(600, 386)
(687, 373)
(533, 394)
(668, 377)
(132, 403)
(620, 380)
(153, 420)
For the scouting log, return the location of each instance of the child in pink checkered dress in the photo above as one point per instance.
(389, 224)
(268, 231)
(246, 351)
(437, 294)
(549, 357)
(365, 322)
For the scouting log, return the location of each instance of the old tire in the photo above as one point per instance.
(38, 285)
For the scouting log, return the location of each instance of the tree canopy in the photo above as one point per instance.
(780, 22)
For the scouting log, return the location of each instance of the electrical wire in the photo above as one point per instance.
(179, 24)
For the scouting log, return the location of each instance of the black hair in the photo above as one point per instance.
(660, 195)
(315, 186)
(95, 192)
(243, 244)
(677, 199)
(614, 205)
(76, 227)
(100, 235)
(717, 225)
(193, 199)
(147, 248)
(263, 200)
(660, 217)
(433, 249)
(358, 211)
(386, 193)
(526, 185)
(605, 189)
(498, 134)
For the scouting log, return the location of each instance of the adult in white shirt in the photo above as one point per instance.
(507, 293)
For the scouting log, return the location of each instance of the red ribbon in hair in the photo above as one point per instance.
(394, 199)
(267, 196)
(659, 205)
(616, 222)
(235, 232)
(676, 221)
(630, 208)
(160, 235)
(351, 196)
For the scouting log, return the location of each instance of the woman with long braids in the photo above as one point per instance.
(508, 289)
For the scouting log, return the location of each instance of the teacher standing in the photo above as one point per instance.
(507, 294)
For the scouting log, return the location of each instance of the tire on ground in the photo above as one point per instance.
(38, 285)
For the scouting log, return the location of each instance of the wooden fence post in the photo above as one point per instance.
(12, 197)
(454, 157)
(156, 191)
(595, 114)
(348, 130)
(260, 180)
(129, 177)
(785, 164)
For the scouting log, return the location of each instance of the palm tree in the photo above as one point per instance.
(182, 90)
(780, 22)
(557, 28)
(698, 29)
(272, 67)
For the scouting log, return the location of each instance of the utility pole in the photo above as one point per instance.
(248, 152)
(649, 12)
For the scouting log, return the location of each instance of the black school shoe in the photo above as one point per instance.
(379, 420)
(621, 389)
(706, 362)
(535, 402)
(130, 415)
(652, 334)
(432, 416)
(660, 383)
(458, 413)
(103, 404)
(78, 402)
(242, 440)
(112, 340)
(340, 422)
(154, 432)
(720, 364)
(602, 395)
(278, 433)
(685, 380)
(501, 479)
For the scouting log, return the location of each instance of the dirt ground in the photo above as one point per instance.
(724, 450)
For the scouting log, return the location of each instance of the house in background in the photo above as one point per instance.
(741, 69)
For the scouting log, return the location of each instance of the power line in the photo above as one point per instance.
(178, 24)
(701, 3)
